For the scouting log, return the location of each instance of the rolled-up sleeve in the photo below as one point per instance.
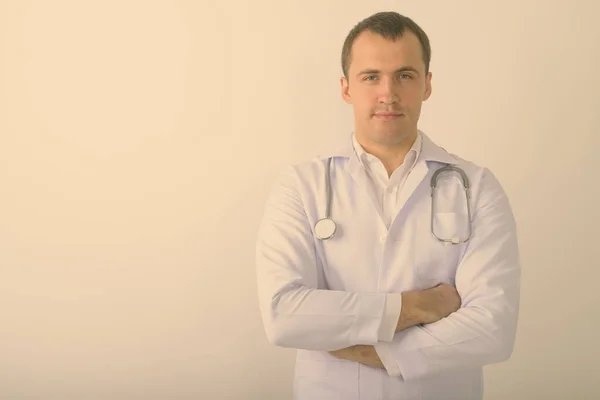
(488, 276)
(297, 311)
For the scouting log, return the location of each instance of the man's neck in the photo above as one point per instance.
(391, 156)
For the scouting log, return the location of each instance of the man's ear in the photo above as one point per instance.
(345, 87)
(428, 88)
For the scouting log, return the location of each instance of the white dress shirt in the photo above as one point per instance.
(388, 187)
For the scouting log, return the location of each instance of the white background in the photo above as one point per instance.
(138, 140)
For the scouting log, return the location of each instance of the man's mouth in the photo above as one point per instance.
(388, 115)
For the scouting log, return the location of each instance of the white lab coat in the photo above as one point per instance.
(317, 296)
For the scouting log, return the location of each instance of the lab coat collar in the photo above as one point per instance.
(430, 151)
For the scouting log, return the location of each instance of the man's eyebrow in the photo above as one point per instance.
(375, 71)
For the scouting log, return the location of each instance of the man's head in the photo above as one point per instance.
(385, 62)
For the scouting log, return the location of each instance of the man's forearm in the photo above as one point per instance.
(366, 354)
(418, 307)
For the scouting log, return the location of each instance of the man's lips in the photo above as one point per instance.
(388, 115)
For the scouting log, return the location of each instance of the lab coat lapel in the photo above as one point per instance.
(431, 154)
(413, 180)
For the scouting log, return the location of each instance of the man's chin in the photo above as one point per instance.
(394, 136)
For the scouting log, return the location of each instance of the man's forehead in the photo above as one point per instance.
(371, 43)
(371, 50)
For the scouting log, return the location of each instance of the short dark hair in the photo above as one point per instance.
(390, 25)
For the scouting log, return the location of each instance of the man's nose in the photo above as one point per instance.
(388, 92)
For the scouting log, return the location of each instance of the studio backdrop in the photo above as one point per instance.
(139, 140)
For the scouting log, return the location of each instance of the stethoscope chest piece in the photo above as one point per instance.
(325, 228)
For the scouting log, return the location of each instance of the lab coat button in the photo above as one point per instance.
(382, 238)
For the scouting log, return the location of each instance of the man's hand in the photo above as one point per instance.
(438, 302)
(427, 306)
(363, 354)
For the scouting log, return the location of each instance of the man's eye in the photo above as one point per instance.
(368, 77)
(405, 76)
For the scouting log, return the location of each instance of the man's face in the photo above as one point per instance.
(386, 85)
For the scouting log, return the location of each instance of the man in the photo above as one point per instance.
(412, 295)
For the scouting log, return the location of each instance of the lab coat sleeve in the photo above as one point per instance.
(297, 310)
(483, 330)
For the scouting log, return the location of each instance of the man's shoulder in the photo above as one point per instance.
(482, 179)
(472, 168)
(486, 187)
(303, 171)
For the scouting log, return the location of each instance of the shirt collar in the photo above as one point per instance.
(367, 159)
(425, 149)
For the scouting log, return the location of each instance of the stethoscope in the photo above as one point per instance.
(325, 228)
